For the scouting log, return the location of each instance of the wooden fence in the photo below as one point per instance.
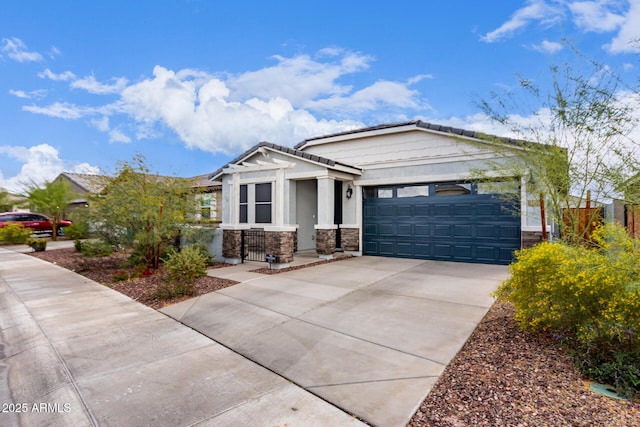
(588, 220)
(633, 220)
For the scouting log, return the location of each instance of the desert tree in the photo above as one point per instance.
(52, 199)
(142, 210)
(572, 141)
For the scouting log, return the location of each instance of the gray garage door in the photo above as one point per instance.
(444, 221)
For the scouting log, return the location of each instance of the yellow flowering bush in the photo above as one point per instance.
(590, 294)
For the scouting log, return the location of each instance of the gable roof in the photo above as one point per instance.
(90, 183)
(286, 150)
(415, 124)
(204, 181)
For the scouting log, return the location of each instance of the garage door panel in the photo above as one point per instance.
(442, 210)
(442, 231)
(465, 230)
(404, 230)
(422, 210)
(385, 210)
(469, 228)
(485, 231)
(386, 248)
(462, 210)
(463, 252)
(404, 210)
(422, 230)
(422, 250)
(386, 230)
(404, 249)
(486, 253)
(486, 209)
(510, 232)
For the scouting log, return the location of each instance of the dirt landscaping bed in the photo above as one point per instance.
(506, 377)
(501, 377)
(112, 271)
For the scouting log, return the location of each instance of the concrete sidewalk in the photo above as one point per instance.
(369, 334)
(75, 353)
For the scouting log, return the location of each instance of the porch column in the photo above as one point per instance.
(280, 199)
(326, 229)
(234, 200)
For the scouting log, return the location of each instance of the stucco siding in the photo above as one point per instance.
(380, 149)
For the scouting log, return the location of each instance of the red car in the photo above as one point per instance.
(40, 224)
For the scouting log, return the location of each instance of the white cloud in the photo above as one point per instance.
(64, 76)
(600, 16)
(91, 85)
(16, 49)
(102, 124)
(40, 93)
(39, 163)
(86, 169)
(380, 94)
(293, 99)
(535, 10)
(298, 79)
(628, 38)
(548, 47)
(116, 135)
(596, 16)
(61, 110)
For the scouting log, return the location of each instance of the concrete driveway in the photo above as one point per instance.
(76, 353)
(368, 334)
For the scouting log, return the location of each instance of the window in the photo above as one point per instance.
(205, 206)
(498, 187)
(413, 191)
(453, 189)
(263, 203)
(378, 193)
(244, 204)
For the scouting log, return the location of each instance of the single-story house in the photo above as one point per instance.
(209, 197)
(398, 190)
(83, 186)
(208, 193)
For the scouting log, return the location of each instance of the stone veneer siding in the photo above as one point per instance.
(350, 238)
(232, 243)
(325, 241)
(530, 238)
(280, 244)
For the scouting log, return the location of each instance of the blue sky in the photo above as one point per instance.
(191, 84)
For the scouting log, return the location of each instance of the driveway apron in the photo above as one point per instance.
(76, 353)
(368, 334)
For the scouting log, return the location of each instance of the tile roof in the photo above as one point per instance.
(286, 150)
(419, 124)
(91, 183)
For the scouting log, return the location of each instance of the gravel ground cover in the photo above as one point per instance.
(112, 271)
(501, 377)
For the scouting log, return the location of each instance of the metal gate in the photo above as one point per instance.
(253, 245)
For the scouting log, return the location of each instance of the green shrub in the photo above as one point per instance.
(38, 244)
(14, 234)
(186, 265)
(202, 250)
(77, 230)
(589, 294)
(167, 290)
(96, 248)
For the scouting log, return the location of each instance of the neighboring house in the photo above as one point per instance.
(626, 209)
(209, 197)
(400, 190)
(14, 203)
(208, 193)
(83, 186)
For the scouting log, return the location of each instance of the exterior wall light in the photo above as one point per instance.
(349, 192)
